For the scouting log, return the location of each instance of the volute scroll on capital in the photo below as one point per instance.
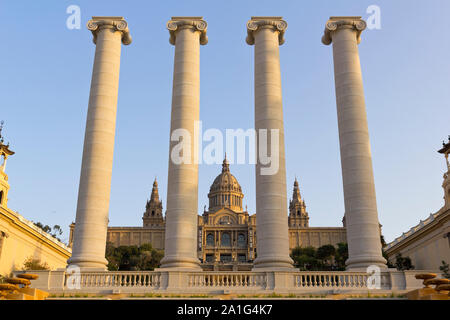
(335, 23)
(118, 23)
(255, 23)
(176, 23)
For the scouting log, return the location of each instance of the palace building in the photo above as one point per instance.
(226, 231)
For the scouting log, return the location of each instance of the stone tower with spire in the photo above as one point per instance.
(153, 209)
(298, 217)
(5, 152)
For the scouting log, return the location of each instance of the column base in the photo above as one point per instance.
(179, 264)
(178, 269)
(88, 263)
(363, 262)
(273, 264)
(275, 269)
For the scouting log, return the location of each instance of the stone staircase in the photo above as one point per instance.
(19, 288)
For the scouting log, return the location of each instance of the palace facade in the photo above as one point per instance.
(226, 231)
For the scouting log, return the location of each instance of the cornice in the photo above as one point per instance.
(28, 227)
(425, 226)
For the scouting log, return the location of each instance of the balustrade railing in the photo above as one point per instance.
(339, 280)
(234, 280)
(228, 279)
(115, 279)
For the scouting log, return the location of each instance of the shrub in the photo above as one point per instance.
(34, 264)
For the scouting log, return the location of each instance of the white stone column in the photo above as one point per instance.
(187, 34)
(266, 33)
(361, 217)
(95, 181)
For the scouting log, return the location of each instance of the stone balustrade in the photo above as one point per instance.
(251, 280)
(122, 279)
(336, 280)
(216, 282)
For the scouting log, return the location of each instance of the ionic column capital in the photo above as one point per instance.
(256, 23)
(117, 23)
(335, 23)
(178, 23)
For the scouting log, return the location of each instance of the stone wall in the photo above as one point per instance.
(316, 236)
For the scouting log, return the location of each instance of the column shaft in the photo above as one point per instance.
(271, 198)
(182, 190)
(363, 229)
(95, 179)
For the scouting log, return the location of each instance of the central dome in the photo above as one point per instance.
(225, 181)
(225, 190)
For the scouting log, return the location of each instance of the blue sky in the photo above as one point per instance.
(45, 73)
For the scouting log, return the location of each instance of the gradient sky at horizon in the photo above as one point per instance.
(44, 88)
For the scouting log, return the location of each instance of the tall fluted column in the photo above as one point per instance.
(95, 181)
(363, 229)
(266, 33)
(187, 34)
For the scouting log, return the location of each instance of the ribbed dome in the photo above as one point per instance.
(225, 191)
(225, 181)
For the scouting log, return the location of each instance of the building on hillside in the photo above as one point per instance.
(428, 243)
(226, 231)
(20, 239)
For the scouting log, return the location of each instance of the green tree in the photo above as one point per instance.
(445, 269)
(34, 264)
(304, 258)
(383, 252)
(133, 258)
(403, 263)
(57, 230)
(383, 242)
(341, 255)
(326, 258)
(45, 228)
(326, 253)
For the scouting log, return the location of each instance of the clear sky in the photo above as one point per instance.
(45, 73)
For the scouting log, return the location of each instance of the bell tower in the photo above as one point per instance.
(153, 209)
(445, 150)
(298, 217)
(5, 152)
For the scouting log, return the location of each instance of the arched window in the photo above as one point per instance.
(1, 197)
(241, 240)
(210, 240)
(226, 240)
(153, 213)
